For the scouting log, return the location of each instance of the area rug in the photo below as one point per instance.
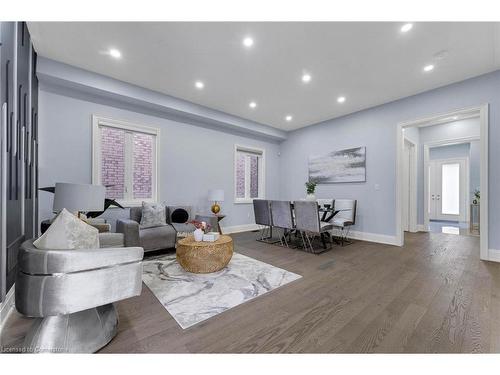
(192, 298)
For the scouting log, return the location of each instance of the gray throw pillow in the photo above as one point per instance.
(153, 215)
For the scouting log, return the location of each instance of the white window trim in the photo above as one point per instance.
(96, 155)
(262, 173)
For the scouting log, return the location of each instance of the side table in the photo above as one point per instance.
(213, 220)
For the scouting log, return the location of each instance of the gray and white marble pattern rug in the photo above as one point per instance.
(192, 298)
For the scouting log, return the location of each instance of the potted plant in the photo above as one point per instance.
(477, 196)
(310, 189)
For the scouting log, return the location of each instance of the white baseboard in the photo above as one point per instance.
(363, 236)
(7, 306)
(494, 255)
(240, 228)
(421, 228)
(373, 237)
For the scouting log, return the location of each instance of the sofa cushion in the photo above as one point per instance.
(109, 239)
(68, 232)
(153, 215)
(157, 238)
(136, 213)
(184, 227)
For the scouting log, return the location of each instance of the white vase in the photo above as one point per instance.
(310, 197)
(198, 235)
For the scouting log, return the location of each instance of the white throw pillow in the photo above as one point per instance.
(153, 215)
(68, 232)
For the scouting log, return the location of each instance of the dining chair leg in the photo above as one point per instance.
(310, 243)
(303, 240)
(322, 235)
(285, 234)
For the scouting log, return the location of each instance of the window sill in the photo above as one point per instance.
(245, 201)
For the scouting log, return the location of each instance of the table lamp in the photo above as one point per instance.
(216, 195)
(78, 197)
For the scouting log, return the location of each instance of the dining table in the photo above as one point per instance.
(327, 212)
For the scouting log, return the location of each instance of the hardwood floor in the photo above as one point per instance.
(433, 295)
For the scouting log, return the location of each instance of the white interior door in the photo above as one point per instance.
(448, 189)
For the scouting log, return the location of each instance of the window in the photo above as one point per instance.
(125, 160)
(248, 174)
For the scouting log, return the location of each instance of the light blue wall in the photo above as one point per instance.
(192, 159)
(188, 172)
(461, 150)
(375, 128)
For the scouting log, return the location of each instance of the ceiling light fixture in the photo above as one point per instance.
(113, 52)
(199, 85)
(428, 68)
(289, 118)
(252, 105)
(406, 27)
(306, 78)
(341, 99)
(248, 42)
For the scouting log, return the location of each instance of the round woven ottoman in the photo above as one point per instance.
(204, 257)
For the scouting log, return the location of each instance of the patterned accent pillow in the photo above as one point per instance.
(153, 215)
(68, 232)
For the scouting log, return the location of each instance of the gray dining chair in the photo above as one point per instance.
(345, 218)
(308, 224)
(262, 213)
(282, 218)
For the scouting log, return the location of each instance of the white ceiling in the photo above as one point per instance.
(368, 63)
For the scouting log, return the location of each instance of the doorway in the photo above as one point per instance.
(452, 196)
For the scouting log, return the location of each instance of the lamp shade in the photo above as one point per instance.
(79, 197)
(216, 195)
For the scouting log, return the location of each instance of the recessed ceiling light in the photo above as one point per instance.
(113, 52)
(252, 105)
(306, 78)
(406, 27)
(289, 118)
(428, 68)
(199, 85)
(248, 42)
(341, 99)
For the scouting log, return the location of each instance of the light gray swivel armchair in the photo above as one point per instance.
(282, 217)
(71, 294)
(308, 223)
(345, 218)
(156, 238)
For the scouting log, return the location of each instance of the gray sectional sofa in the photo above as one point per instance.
(157, 238)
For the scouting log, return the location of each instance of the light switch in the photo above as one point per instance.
(376, 187)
